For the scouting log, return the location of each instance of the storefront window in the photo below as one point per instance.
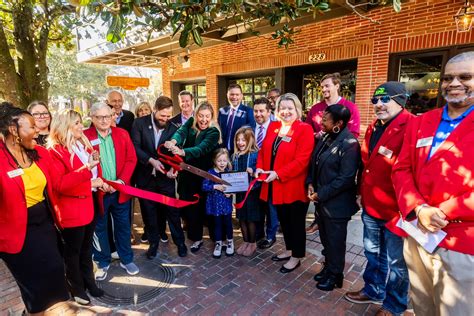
(198, 90)
(256, 87)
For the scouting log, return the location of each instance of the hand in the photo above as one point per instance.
(177, 151)
(170, 143)
(172, 174)
(310, 190)
(314, 197)
(249, 171)
(258, 171)
(431, 218)
(228, 195)
(272, 175)
(220, 187)
(97, 183)
(359, 201)
(94, 160)
(157, 165)
(107, 188)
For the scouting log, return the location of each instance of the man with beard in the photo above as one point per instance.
(434, 183)
(386, 274)
(148, 133)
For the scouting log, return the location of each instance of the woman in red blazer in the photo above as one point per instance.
(28, 239)
(76, 169)
(285, 156)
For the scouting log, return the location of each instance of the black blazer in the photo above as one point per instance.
(126, 122)
(334, 176)
(143, 139)
(176, 120)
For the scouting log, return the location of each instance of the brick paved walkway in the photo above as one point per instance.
(230, 286)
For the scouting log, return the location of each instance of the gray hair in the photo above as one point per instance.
(96, 107)
(466, 56)
(114, 91)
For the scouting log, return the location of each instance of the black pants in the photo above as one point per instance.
(333, 234)
(194, 216)
(292, 219)
(78, 257)
(155, 216)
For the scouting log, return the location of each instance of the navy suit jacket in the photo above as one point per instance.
(243, 117)
(126, 121)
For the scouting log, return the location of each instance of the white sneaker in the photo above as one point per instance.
(115, 255)
(229, 251)
(101, 273)
(217, 250)
(131, 268)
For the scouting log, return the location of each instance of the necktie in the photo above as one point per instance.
(230, 124)
(260, 136)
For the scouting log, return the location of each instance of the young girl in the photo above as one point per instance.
(219, 204)
(245, 159)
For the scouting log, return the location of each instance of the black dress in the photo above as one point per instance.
(38, 268)
(250, 211)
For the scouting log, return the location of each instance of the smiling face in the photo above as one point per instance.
(102, 119)
(41, 116)
(241, 142)
(260, 113)
(327, 123)
(386, 111)
(77, 128)
(186, 104)
(458, 83)
(27, 131)
(203, 118)
(329, 89)
(221, 162)
(144, 110)
(287, 111)
(234, 96)
(162, 117)
(115, 99)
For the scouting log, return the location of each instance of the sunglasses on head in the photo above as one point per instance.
(461, 77)
(383, 98)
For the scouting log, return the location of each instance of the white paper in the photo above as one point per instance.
(239, 181)
(429, 241)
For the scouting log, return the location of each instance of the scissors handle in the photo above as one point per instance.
(173, 160)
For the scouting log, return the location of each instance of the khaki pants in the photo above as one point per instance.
(441, 283)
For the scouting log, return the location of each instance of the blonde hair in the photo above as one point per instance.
(61, 132)
(204, 105)
(249, 137)
(219, 152)
(140, 106)
(289, 97)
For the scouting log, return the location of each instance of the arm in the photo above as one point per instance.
(66, 181)
(130, 160)
(180, 136)
(459, 207)
(349, 164)
(206, 145)
(207, 185)
(304, 145)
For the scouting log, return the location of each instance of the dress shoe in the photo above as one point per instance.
(152, 250)
(359, 297)
(383, 312)
(330, 282)
(196, 246)
(321, 274)
(277, 259)
(182, 250)
(283, 269)
(82, 298)
(266, 243)
(311, 229)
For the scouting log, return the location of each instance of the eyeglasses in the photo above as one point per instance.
(461, 77)
(103, 117)
(39, 115)
(384, 98)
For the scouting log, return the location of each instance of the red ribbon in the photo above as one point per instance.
(261, 177)
(152, 196)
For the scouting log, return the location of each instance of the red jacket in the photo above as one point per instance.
(377, 192)
(72, 188)
(13, 210)
(125, 156)
(446, 180)
(291, 162)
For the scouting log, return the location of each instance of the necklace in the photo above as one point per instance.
(27, 164)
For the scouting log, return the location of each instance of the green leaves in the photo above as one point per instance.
(114, 33)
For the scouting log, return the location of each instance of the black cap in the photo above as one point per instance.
(394, 89)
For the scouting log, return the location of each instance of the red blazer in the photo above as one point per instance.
(445, 181)
(377, 192)
(125, 156)
(291, 162)
(13, 210)
(72, 188)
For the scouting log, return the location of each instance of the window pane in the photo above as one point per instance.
(201, 90)
(421, 76)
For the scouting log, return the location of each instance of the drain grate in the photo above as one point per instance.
(123, 289)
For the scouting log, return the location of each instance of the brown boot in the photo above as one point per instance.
(242, 248)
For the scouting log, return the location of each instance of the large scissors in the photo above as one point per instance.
(178, 164)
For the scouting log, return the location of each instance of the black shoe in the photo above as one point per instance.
(164, 238)
(152, 250)
(182, 250)
(144, 238)
(330, 282)
(321, 274)
(95, 291)
(286, 270)
(196, 246)
(266, 243)
(277, 259)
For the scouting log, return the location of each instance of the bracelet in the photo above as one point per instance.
(419, 208)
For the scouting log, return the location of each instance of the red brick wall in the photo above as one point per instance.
(420, 25)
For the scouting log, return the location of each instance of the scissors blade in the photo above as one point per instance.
(203, 174)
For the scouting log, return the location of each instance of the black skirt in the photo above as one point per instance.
(38, 268)
(250, 211)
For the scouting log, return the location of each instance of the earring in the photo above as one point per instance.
(18, 139)
(336, 129)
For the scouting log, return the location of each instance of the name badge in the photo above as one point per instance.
(424, 142)
(95, 142)
(15, 173)
(286, 139)
(384, 151)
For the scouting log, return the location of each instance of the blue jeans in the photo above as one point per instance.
(272, 220)
(386, 274)
(121, 224)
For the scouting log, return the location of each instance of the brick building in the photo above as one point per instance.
(411, 46)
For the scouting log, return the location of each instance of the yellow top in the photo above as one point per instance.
(35, 182)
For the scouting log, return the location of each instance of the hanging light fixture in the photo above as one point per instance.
(464, 17)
